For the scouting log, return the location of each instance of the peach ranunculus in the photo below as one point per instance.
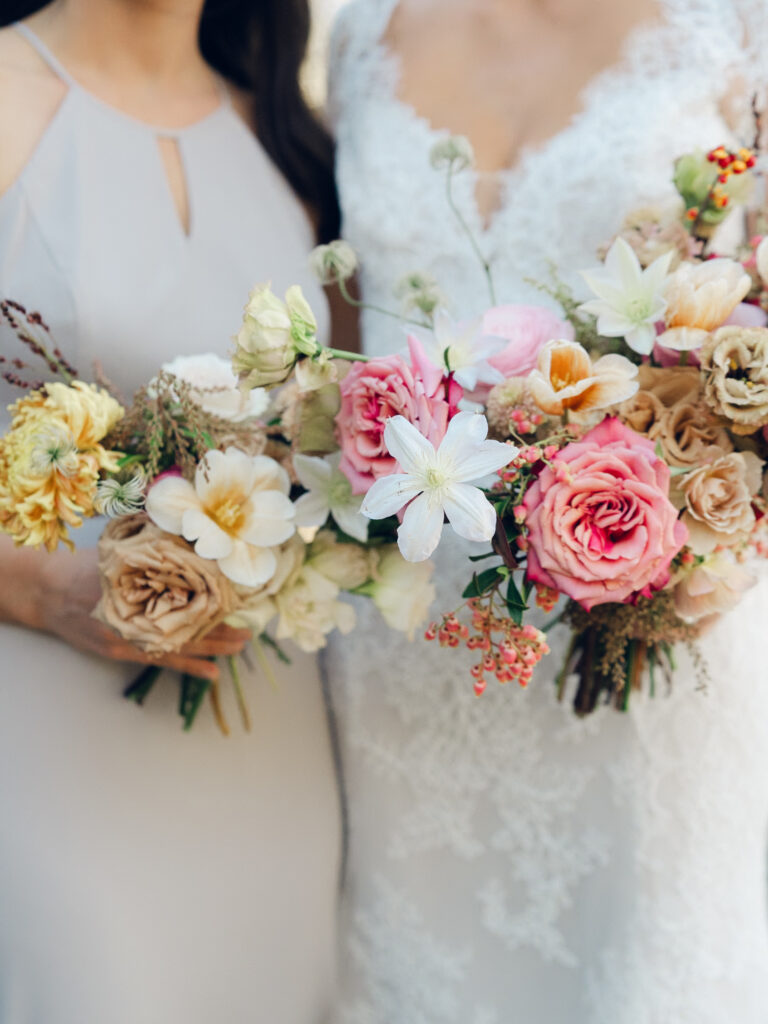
(567, 379)
(376, 390)
(701, 297)
(718, 501)
(156, 592)
(713, 587)
(526, 329)
(601, 527)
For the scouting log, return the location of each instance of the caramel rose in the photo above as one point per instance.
(156, 592)
(735, 363)
(689, 435)
(641, 412)
(718, 501)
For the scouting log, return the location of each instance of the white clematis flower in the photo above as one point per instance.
(462, 349)
(236, 512)
(438, 482)
(329, 492)
(629, 300)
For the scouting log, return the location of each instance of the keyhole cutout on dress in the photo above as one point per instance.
(170, 154)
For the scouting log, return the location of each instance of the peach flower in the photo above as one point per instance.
(376, 390)
(718, 501)
(601, 527)
(701, 297)
(566, 378)
(711, 588)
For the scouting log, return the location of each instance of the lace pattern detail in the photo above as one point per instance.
(509, 861)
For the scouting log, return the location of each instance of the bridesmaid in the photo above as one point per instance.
(149, 876)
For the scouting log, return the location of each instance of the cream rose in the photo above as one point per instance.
(402, 591)
(156, 592)
(711, 588)
(273, 336)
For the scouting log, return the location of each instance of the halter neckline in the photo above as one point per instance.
(55, 65)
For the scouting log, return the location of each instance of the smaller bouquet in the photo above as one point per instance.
(213, 511)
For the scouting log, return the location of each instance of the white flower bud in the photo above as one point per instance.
(336, 261)
(455, 153)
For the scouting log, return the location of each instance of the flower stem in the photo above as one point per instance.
(234, 672)
(563, 674)
(142, 684)
(470, 234)
(352, 357)
(265, 666)
(359, 304)
(217, 711)
(193, 689)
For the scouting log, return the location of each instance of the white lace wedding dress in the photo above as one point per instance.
(508, 863)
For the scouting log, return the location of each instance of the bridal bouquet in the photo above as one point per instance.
(610, 458)
(205, 503)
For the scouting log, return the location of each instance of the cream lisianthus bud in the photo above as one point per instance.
(761, 256)
(455, 153)
(336, 261)
(273, 336)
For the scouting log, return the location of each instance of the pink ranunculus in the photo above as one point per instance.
(383, 387)
(527, 330)
(601, 525)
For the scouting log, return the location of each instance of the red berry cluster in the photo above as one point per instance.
(510, 652)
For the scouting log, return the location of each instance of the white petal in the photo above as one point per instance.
(313, 473)
(311, 509)
(465, 431)
(352, 521)
(467, 377)
(270, 475)
(210, 540)
(484, 460)
(229, 470)
(419, 533)
(623, 263)
(388, 495)
(641, 339)
(470, 513)
(249, 565)
(270, 520)
(168, 500)
(411, 449)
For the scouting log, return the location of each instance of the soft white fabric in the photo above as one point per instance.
(510, 864)
(149, 876)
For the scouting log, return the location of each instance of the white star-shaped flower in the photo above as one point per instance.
(630, 300)
(438, 482)
(329, 492)
(463, 350)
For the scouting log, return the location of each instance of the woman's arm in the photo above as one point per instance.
(57, 593)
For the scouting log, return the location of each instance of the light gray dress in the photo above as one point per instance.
(148, 876)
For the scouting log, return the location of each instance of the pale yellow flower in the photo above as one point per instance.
(566, 378)
(51, 460)
(701, 297)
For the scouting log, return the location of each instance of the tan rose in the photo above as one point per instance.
(671, 384)
(735, 364)
(689, 435)
(718, 501)
(642, 412)
(156, 592)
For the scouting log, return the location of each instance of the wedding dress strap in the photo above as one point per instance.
(37, 44)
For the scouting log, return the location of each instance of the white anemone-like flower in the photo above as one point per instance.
(629, 300)
(236, 512)
(438, 482)
(329, 492)
(215, 388)
(463, 349)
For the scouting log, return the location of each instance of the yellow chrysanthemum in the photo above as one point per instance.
(51, 460)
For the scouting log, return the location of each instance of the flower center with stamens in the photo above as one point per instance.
(227, 512)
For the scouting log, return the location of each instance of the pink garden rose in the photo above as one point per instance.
(383, 387)
(527, 329)
(601, 525)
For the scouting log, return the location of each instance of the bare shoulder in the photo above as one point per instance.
(30, 94)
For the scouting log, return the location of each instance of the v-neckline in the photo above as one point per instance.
(486, 225)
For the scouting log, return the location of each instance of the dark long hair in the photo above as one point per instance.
(259, 46)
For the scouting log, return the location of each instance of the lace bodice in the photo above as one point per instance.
(510, 864)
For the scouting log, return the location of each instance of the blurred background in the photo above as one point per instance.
(323, 13)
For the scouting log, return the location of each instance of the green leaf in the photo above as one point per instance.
(484, 581)
(516, 603)
(191, 694)
(480, 558)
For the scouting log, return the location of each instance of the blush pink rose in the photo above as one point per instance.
(601, 525)
(527, 329)
(383, 387)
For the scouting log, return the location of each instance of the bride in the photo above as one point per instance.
(509, 862)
